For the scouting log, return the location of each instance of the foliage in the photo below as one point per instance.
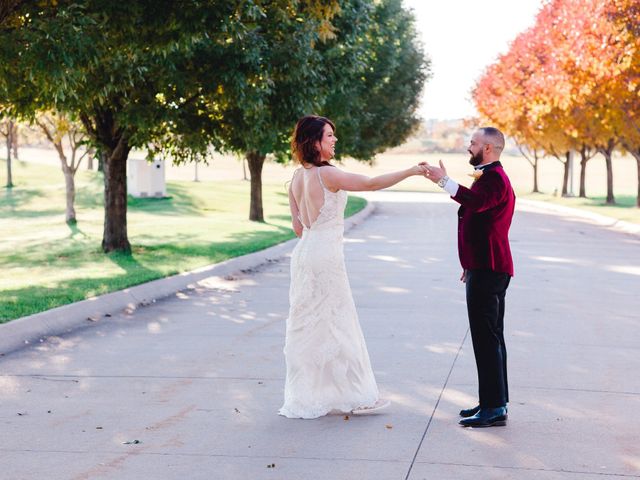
(367, 77)
(373, 96)
(56, 128)
(159, 73)
(570, 81)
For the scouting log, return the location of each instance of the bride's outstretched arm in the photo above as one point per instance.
(335, 179)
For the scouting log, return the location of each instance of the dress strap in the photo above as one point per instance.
(295, 172)
(320, 178)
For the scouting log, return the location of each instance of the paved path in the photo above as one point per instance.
(197, 378)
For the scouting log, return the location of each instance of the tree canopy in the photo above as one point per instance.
(570, 82)
(181, 77)
(143, 73)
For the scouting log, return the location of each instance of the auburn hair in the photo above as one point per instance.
(308, 131)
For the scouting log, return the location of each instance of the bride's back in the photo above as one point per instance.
(308, 193)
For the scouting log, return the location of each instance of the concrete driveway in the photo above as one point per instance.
(189, 387)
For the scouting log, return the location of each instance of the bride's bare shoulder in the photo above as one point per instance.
(296, 173)
(332, 177)
(330, 171)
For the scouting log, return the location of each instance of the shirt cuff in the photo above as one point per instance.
(451, 187)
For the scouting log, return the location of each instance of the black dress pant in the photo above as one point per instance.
(486, 290)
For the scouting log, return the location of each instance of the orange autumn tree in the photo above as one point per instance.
(570, 82)
(515, 94)
(500, 98)
(624, 15)
(594, 52)
(564, 125)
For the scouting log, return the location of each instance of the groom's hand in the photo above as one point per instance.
(463, 277)
(434, 173)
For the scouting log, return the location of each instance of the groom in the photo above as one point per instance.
(484, 218)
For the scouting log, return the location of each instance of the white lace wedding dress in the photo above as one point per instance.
(328, 367)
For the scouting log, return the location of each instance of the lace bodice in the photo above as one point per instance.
(332, 210)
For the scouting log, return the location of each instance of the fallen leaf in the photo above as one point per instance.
(132, 442)
(98, 428)
(346, 417)
(388, 426)
(237, 411)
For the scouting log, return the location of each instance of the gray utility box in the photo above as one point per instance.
(145, 178)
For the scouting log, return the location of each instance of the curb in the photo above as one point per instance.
(33, 329)
(602, 220)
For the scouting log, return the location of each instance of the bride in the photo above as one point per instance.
(328, 368)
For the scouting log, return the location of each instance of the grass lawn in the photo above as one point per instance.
(46, 263)
(625, 208)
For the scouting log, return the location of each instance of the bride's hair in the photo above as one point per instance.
(308, 131)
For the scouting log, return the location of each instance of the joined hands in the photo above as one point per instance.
(432, 172)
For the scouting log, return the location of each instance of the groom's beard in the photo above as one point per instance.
(477, 159)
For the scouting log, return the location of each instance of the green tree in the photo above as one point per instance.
(8, 129)
(7, 10)
(289, 85)
(56, 128)
(367, 76)
(375, 95)
(140, 73)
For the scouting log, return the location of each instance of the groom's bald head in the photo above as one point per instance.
(485, 146)
(493, 136)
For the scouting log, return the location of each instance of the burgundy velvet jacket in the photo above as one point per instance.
(484, 218)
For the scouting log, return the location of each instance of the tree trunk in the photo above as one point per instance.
(535, 173)
(14, 141)
(583, 173)
(606, 153)
(533, 163)
(114, 152)
(115, 238)
(70, 184)
(256, 162)
(636, 154)
(9, 145)
(610, 198)
(565, 179)
(69, 181)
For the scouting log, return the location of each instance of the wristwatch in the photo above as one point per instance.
(443, 181)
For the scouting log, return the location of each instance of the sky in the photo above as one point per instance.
(462, 38)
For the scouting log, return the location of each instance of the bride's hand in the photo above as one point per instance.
(419, 169)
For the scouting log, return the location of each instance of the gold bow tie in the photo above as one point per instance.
(476, 174)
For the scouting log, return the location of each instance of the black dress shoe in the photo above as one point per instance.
(469, 412)
(487, 417)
